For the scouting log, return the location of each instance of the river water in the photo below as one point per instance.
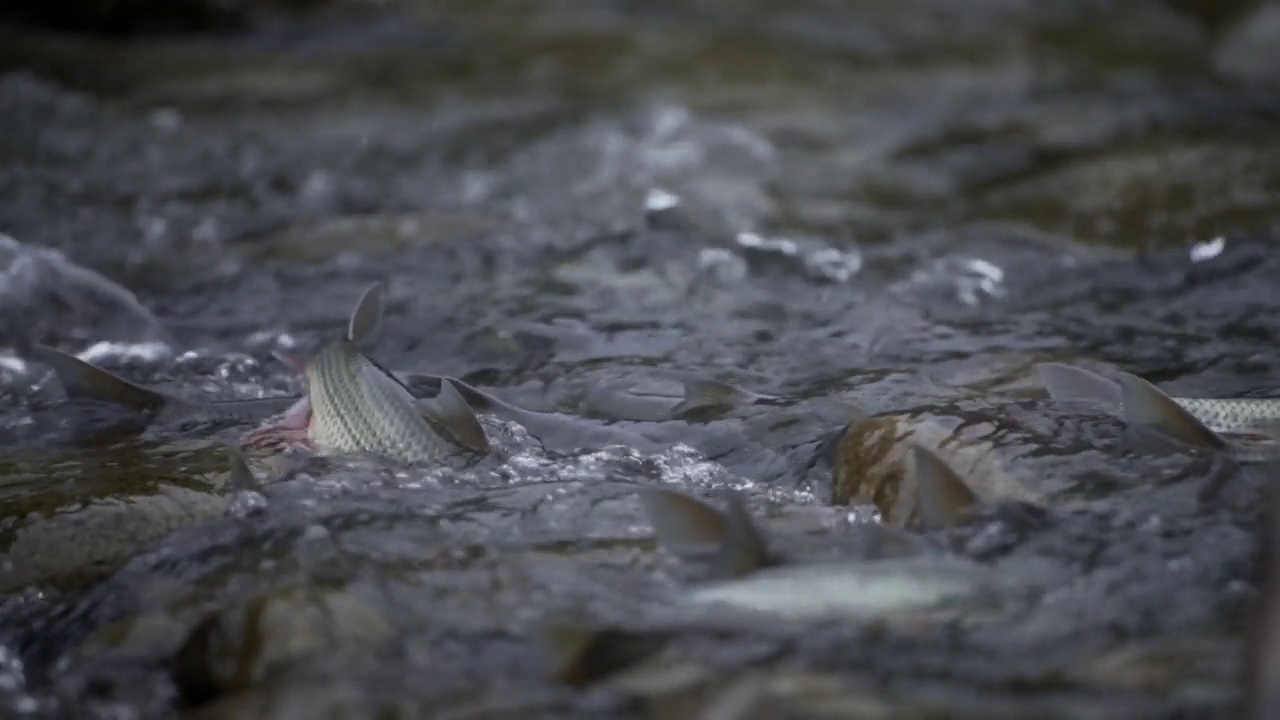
(863, 208)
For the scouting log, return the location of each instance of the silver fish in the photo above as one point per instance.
(84, 382)
(355, 405)
(447, 401)
(352, 404)
(556, 431)
(904, 575)
(1220, 415)
(1234, 414)
(1249, 423)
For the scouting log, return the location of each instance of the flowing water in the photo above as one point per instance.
(887, 208)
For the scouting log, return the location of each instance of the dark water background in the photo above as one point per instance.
(871, 206)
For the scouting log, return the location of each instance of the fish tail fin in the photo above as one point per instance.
(451, 413)
(84, 381)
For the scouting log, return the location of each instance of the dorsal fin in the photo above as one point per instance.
(366, 318)
(684, 524)
(1067, 382)
(700, 393)
(945, 500)
(744, 550)
(1145, 404)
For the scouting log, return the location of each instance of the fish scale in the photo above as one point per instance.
(356, 407)
(1234, 414)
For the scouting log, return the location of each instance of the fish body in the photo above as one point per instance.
(908, 575)
(1243, 428)
(351, 405)
(864, 589)
(355, 406)
(1232, 415)
(921, 474)
(341, 380)
(556, 431)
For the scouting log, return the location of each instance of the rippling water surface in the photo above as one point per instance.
(847, 209)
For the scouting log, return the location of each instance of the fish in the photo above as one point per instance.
(556, 432)
(75, 541)
(86, 383)
(910, 466)
(699, 399)
(1198, 422)
(447, 401)
(352, 404)
(760, 580)
(355, 405)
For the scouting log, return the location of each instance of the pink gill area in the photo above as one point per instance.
(289, 431)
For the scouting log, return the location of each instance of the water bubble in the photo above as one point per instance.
(663, 211)
(1208, 250)
(833, 265)
(247, 503)
(149, 352)
(658, 200)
